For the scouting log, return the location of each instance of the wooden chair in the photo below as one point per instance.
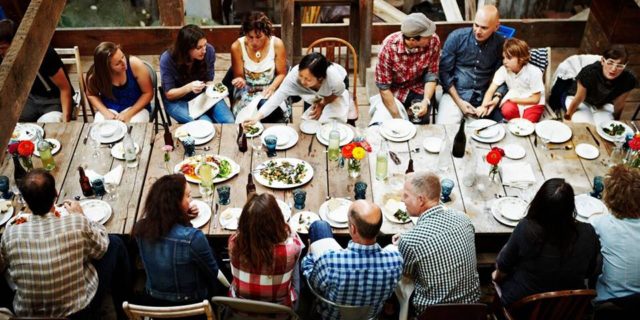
(138, 312)
(71, 56)
(456, 311)
(332, 48)
(555, 305)
(346, 311)
(250, 309)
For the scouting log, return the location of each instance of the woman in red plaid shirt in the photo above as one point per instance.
(264, 253)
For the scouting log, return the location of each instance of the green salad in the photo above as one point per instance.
(225, 169)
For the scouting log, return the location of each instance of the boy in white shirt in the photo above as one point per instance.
(525, 97)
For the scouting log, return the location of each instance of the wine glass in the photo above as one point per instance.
(256, 145)
(94, 141)
(416, 105)
(112, 190)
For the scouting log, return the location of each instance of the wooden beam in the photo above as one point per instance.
(387, 12)
(171, 12)
(451, 10)
(20, 65)
(469, 10)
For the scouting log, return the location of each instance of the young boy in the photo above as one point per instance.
(525, 97)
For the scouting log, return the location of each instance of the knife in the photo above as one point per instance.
(535, 140)
(310, 146)
(215, 217)
(594, 137)
(485, 127)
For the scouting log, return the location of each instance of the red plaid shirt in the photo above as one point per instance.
(273, 283)
(403, 71)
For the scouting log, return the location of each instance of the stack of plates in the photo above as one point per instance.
(202, 131)
(554, 131)
(607, 125)
(287, 136)
(492, 134)
(204, 214)
(117, 151)
(397, 130)
(587, 206)
(336, 212)
(108, 131)
(346, 133)
(310, 126)
(509, 210)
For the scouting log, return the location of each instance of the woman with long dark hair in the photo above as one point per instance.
(179, 263)
(119, 86)
(549, 250)
(264, 253)
(185, 68)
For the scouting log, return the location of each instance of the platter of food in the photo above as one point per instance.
(283, 173)
(223, 167)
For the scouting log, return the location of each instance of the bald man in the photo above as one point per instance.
(470, 57)
(363, 274)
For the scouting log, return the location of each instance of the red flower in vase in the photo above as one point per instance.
(634, 144)
(13, 148)
(347, 150)
(494, 156)
(25, 148)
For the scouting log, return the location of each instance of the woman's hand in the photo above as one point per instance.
(196, 86)
(316, 110)
(250, 121)
(108, 115)
(239, 82)
(125, 116)
(193, 211)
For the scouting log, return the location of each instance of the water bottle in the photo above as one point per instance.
(382, 161)
(334, 143)
(444, 159)
(130, 155)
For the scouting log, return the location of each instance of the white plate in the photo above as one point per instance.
(117, 135)
(346, 133)
(56, 147)
(554, 131)
(606, 124)
(514, 151)
(587, 151)
(27, 131)
(521, 127)
(278, 184)
(432, 144)
(198, 129)
(229, 218)
(260, 130)
(393, 203)
(195, 161)
(96, 210)
(489, 132)
(324, 212)
(510, 208)
(301, 221)
(285, 209)
(5, 216)
(204, 214)
(586, 206)
(108, 129)
(309, 126)
(214, 93)
(286, 132)
(481, 123)
(117, 151)
(405, 130)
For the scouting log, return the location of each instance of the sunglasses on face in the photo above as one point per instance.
(617, 66)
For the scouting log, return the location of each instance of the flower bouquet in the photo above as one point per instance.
(493, 158)
(354, 152)
(633, 155)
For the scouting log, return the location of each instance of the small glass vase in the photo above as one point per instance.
(354, 166)
(27, 163)
(493, 174)
(633, 158)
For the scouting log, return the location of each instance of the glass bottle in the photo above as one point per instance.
(87, 191)
(459, 142)
(130, 155)
(168, 137)
(382, 161)
(44, 148)
(242, 139)
(334, 143)
(251, 186)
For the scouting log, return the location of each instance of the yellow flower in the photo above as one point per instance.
(359, 153)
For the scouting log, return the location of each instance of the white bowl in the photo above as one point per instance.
(108, 130)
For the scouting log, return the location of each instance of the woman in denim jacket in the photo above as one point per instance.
(179, 263)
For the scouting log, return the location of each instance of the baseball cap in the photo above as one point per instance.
(417, 24)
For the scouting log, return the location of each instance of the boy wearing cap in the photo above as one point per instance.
(407, 66)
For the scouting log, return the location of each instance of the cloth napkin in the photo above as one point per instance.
(114, 176)
(517, 174)
(379, 112)
(586, 207)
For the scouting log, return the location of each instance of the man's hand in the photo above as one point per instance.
(483, 111)
(466, 108)
(239, 82)
(395, 239)
(424, 108)
(193, 211)
(73, 207)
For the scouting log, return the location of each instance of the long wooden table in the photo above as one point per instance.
(329, 179)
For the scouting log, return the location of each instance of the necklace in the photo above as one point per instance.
(258, 54)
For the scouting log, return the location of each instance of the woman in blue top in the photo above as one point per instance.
(184, 68)
(119, 87)
(179, 263)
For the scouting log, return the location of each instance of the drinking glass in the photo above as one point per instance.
(299, 197)
(360, 189)
(256, 145)
(98, 187)
(598, 187)
(189, 146)
(206, 191)
(618, 153)
(416, 105)
(447, 187)
(112, 190)
(94, 141)
(271, 141)
(224, 193)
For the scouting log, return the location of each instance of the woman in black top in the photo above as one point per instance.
(549, 250)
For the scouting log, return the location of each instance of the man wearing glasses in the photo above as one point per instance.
(601, 89)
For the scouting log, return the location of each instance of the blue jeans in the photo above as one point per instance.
(319, 230)
(179, 110)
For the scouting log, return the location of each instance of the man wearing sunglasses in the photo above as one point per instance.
(601, 88)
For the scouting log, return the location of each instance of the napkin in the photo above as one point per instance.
(586, 207)
(114, 176)
(517, 173)
(379, 112)
(338, 109)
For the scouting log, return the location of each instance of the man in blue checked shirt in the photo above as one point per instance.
(363, 274)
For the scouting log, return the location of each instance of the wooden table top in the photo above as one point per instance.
(329, 179)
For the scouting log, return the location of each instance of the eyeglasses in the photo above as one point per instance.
(611, 63)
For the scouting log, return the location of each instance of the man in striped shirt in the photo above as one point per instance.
(53, 260)
(363, 274)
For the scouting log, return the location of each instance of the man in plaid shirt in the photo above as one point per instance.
(407, 66)
(61, 266)
(363, 274)
(439, 252)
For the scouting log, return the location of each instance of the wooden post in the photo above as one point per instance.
(20, 65)
(171, 12)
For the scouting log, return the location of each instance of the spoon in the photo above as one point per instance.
(567, 147)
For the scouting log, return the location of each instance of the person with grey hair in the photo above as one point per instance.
(442, 237)
(407, 68)
(363, 274)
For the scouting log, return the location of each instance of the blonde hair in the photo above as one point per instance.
(516, 48)
(622, 185)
